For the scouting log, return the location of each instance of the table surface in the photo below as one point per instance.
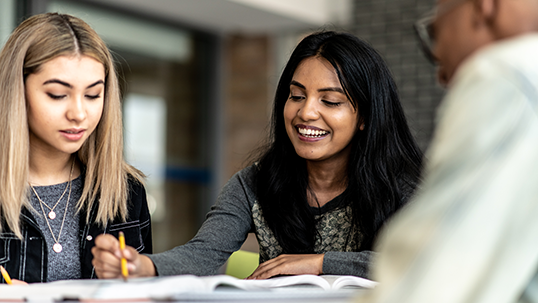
(282, 295)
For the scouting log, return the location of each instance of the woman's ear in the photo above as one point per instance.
(487, 10)
(487, 7)
(361, 123)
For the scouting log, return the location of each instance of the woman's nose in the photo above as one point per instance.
(309, 110)
(76, 110)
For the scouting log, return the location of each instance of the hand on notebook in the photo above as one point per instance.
(289, 265)
(107, 259)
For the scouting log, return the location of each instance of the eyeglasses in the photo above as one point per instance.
(424, 28)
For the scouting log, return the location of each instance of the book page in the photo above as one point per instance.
(339, 282)
(297, 280)
(212, 282)
(325, 282)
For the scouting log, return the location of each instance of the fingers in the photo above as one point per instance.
(107, 257)
(106, 264)
(271, 268)
(108, 243)
(268, 269)
(129, 253)
(133, 262)
(289, 265)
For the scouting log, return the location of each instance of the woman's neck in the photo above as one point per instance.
(326, 181)
(50, 170)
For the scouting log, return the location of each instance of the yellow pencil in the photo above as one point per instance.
(124, 271)
(5, 275)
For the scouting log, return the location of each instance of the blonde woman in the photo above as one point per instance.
(63, 179)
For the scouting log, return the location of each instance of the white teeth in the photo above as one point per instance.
(311, 133)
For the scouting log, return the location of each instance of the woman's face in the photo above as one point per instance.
(320, 119)
(65, 103)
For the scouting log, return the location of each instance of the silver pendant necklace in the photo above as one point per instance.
(52, 214)
(57, 247)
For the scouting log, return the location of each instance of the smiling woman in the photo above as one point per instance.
(340, 160)
(325, 195)
(318, 111)
(63, 180)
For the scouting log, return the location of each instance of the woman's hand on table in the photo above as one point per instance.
(290, 265)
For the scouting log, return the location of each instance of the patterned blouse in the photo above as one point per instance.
(333, 224)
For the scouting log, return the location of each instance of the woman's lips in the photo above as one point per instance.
(73, 134)
(310, 133)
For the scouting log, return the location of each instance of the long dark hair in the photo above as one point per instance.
(385, 162)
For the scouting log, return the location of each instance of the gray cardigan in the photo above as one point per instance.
(226, 228)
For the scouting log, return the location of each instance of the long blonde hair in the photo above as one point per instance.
(35, 41)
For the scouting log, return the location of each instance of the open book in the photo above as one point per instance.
(325, 282)
(163, 288)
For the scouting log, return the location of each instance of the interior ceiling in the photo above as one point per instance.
(212, 15)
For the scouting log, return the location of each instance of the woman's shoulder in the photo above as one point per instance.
(134, 183)
(243, 181)
(245, 175)
(249, 172)
(137, 191)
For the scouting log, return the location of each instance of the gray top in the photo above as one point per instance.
(237, 213)
(66, 264)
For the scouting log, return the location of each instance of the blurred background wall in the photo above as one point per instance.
(198, 78)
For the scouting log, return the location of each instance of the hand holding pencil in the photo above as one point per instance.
(124, 270)
(113, 259)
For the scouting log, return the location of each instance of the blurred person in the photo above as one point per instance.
(340, 160)
(62, 174)
(471, 233)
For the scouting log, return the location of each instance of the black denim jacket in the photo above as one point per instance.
(27, 259)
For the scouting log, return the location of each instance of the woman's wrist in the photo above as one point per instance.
(147, 268)
(320, 263)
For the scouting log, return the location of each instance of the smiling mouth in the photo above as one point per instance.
(311, 133)
(72, 131)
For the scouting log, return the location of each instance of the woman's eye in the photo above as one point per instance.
(295, 98)
(55, 97)
(330, 103)
(93, 97)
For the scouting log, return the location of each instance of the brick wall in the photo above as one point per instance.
(387, 25)
(246, 98)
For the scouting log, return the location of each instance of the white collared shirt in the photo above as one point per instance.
(471, 233)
